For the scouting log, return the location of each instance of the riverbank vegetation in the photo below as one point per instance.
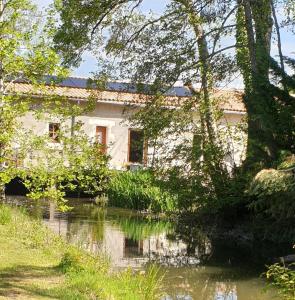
(139, 190)
(35, 263)
(272, 193)
(283, 278)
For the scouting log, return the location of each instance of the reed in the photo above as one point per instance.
(139, 190)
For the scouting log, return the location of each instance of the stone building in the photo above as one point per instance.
(106, 123)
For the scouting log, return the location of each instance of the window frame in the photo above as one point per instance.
(144, 148)
(53, 134)
(104, 137)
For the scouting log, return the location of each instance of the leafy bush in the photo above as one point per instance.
(139, 190)
(74, 260)
(82, 167)
(273, 201)
(71, 261)
(283, 278)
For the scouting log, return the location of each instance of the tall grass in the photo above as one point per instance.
(5, 215)
(139, 190)
(91, 280)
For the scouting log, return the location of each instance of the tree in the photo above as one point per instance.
(26, 55)
(270, 107)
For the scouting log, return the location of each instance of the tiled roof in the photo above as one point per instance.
(84, 83)
(121, 93)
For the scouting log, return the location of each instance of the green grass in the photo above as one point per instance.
(5, 215)
(37, 264)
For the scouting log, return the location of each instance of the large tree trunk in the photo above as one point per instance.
(213, 159)
(262, 149)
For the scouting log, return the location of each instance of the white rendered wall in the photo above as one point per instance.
(111, 116)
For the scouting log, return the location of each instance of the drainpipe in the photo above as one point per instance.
(72, 126)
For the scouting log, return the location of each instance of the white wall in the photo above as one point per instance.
(111, 115)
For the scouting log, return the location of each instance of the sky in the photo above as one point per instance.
(89, 63)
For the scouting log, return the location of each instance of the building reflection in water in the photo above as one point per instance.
(225, 292)
(129, 242)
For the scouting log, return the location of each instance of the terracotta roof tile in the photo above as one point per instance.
(231, 100)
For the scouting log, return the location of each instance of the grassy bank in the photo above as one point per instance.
(37, 264)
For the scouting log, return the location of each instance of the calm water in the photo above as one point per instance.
(195, 267)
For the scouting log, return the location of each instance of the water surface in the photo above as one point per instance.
(194, 267)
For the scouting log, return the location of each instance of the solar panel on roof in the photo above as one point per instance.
(115, 86)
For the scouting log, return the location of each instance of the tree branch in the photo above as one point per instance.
(222, 27)
(279, 45)
(250, 34)
(106, 13)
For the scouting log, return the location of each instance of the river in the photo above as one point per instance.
(204, 271)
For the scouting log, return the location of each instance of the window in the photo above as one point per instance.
(54, 131)
(137, 146)
(101, 137)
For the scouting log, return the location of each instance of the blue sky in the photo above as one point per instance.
(89, 62)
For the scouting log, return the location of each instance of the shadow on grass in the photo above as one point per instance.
(30, 282)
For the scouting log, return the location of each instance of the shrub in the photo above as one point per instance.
(71, 261)
(139, 190)
(75, 260)
(273, 201)
(283, 278)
